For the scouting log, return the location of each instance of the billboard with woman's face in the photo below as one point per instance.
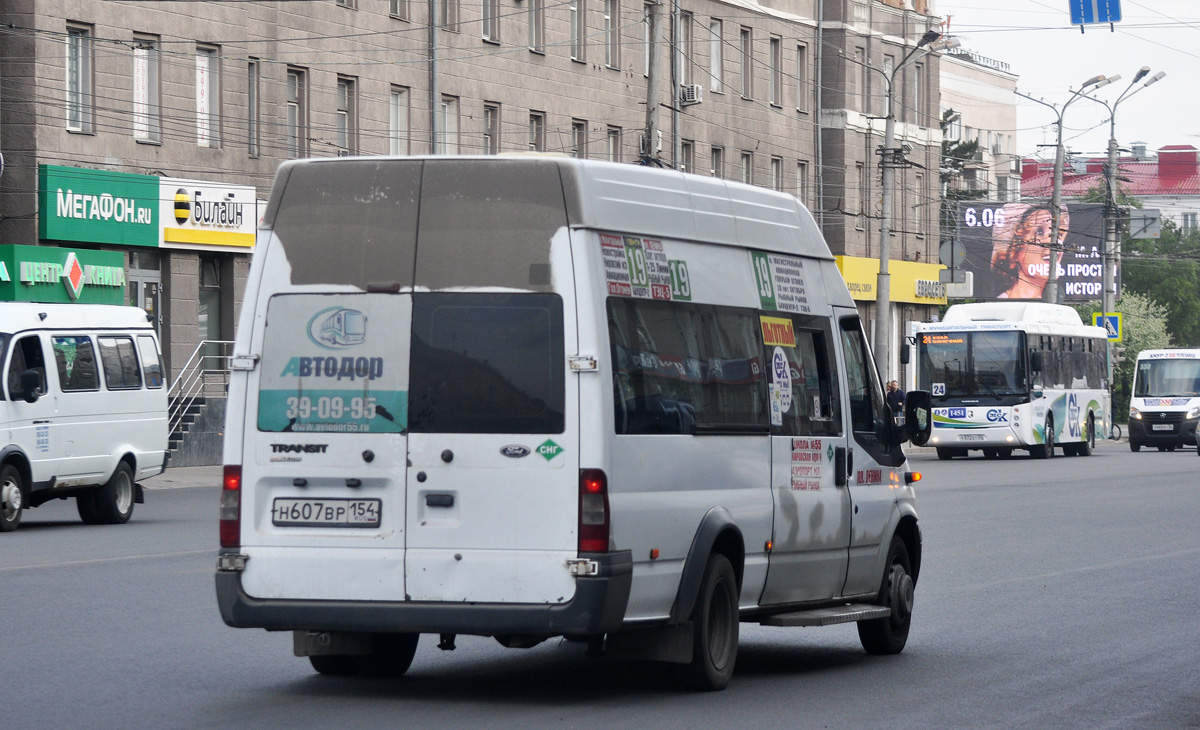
(1010, 247)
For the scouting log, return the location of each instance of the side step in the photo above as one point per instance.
(828, 616)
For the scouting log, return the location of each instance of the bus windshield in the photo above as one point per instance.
(1167, 378)
(970, 364)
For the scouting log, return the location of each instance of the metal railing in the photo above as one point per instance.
(204, 375)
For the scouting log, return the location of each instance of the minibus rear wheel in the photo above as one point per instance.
(114, 500)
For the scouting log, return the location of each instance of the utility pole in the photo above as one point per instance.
(652, 83)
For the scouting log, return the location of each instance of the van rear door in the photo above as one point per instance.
(326, 448)
(494, 459)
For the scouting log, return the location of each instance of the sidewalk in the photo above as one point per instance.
(185, 476)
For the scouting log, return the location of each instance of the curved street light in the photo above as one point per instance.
(1050, 292)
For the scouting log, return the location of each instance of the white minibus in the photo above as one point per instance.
(83, 410)
(527, 397)
(1165, 406)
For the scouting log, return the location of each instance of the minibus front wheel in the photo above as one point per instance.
(12, 498)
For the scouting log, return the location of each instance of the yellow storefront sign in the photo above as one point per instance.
(912, 282)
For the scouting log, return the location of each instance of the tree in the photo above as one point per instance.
(1167, 271)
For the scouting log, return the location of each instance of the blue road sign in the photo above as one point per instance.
(1095, 11)
(1111, 323)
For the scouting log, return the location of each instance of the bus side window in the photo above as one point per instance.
(150, 362)
(76, 363)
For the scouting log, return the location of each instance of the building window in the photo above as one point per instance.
(398, 126)
(253, 141)
(347, 114)
(448, 14)
(80, 53)
(579, 138)
(208, 96)
(491, 20)
(491, 129)
(614, 144)
(918, 113)
(881, 100)
(537, 25)
(776, 71)
(747, 50)
(612, 33)
(147, 109)
(747, 171)
(802, 87)
(859, 71)
(1190, 221)
(578, 11)
(448, 135)
(537, 131)
(920, 210)
(687, 156)
(297, 112)
(716, 56)
(398, 9)
(777, 173)
(860, 180)
(802, 182)
(209, 311)
(717, 167)
(347, 3)
(686, 54)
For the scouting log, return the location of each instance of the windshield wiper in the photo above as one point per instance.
(979, 381)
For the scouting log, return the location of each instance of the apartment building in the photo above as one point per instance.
(144, 136)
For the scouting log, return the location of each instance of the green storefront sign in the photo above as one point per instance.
(50, 274)
(97, 206)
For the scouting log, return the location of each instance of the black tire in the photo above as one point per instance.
(1046, 449)
(334, 665)
(889, 635)
(1170, 448)
(944, 453)
(714, 628)
(991, 453)
(1089, 439)
(12, 497)
(1005, 453)
(114, 500)
(86, 505)
(391, 655)
(1135, 447)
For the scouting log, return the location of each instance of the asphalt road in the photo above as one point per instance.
(1060, 594)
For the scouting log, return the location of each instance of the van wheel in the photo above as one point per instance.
(334, 665)
(86, 504)
(391, 655)
(991, 453)
(714, 628)
(944, 453)
(114, 500)
(12, 498)
(1134, 447)
(889, 635)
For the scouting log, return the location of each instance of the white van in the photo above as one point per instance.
(83, 410)
(528, 397)
(1165, 406)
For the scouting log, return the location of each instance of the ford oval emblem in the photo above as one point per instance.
(514, 451)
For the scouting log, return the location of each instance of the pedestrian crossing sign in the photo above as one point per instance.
(1111, 322)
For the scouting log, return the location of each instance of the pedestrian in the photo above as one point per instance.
(895, 399)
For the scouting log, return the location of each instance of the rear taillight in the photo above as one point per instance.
(593, 511)
(231, 507)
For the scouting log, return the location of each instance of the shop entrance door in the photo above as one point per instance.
(144, 280)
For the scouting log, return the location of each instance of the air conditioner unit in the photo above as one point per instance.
(691, 93)
(996, 149)
(343, 153)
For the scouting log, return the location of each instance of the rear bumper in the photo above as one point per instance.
(1184, 434)
(597, 607)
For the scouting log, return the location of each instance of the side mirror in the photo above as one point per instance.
(918, 416)
(30, 383)
(1035, 361)
(905, 353)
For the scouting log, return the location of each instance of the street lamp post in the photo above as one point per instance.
(1110, 246)
(891, 158)
(1050, 292)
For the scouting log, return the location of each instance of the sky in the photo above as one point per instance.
(1051, 58)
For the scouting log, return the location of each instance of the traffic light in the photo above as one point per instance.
(1118, 355)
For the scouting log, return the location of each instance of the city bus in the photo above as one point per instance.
(1165, 406)
(1012, 375)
